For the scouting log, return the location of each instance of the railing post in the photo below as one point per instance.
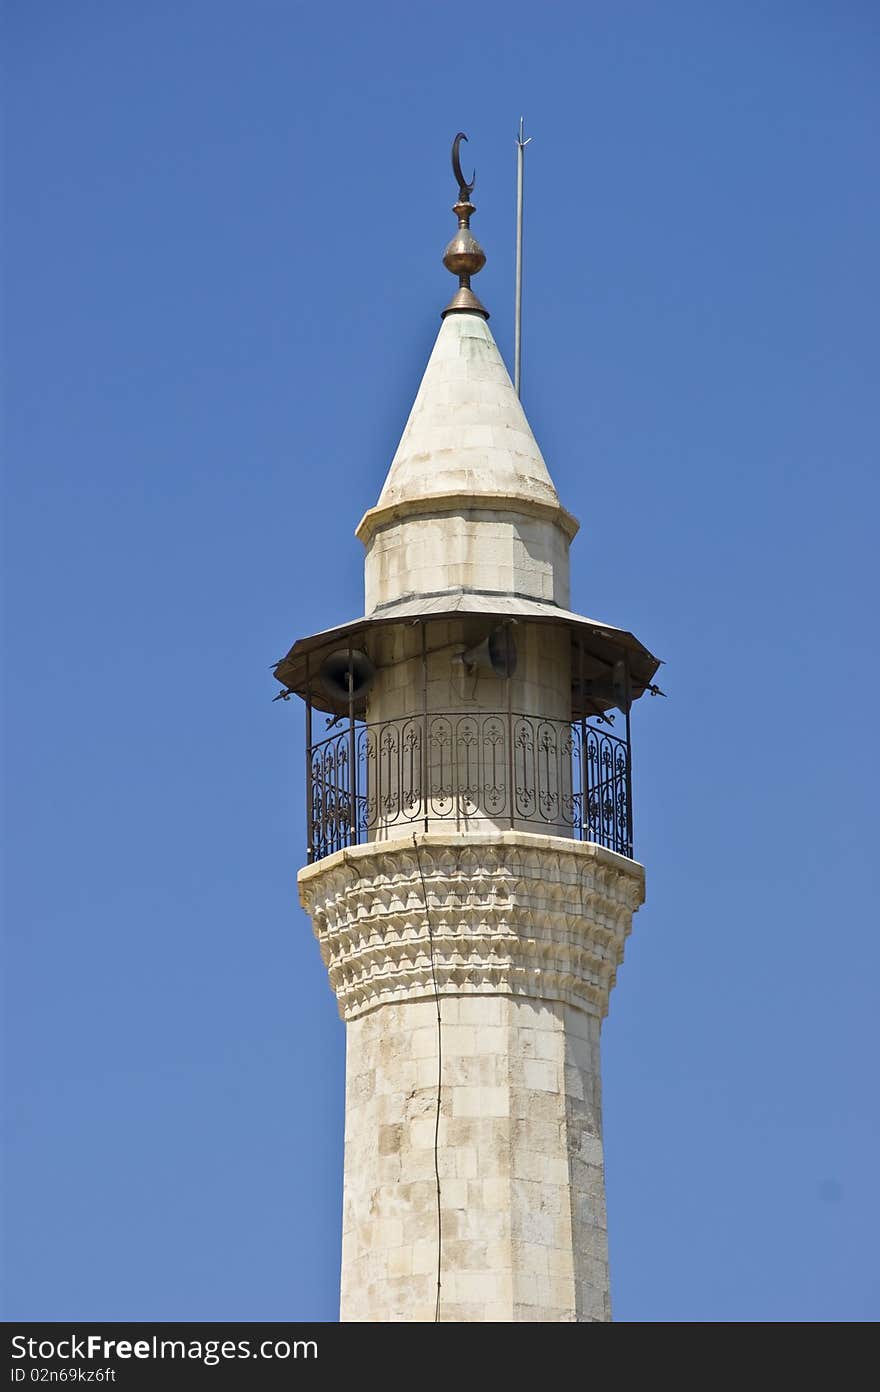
(583, 698)
(510, 768)
(310, 796)
(424, 632)
(352, 772)
(629, 794)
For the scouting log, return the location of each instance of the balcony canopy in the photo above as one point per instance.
(599, 644)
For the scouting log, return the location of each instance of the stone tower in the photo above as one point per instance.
(471, 879)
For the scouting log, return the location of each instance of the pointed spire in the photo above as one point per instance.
(464, 256)
(467, 439)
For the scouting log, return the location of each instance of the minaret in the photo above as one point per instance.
(471, 879)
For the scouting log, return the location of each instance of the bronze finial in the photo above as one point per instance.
(465, 189)
(464, 256)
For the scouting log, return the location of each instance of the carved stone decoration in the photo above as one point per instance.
(511, 913)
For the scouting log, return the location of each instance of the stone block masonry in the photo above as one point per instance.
(526, 932)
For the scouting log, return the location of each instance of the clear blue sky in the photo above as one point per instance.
(223, 230)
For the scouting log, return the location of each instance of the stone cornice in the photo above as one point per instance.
(377, 518)
(510, 912)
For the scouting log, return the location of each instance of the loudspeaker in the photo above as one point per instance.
(620, 686)
(612, 688)
(497, 653)
(343, 672)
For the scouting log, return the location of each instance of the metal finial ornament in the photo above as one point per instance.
(464, 256)
(465, 189)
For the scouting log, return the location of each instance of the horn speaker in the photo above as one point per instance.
(497, 653)
(613, 688)
(344, 673)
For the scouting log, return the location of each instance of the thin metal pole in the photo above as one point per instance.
(629, 762)
(425, 771)
(510, 762)
(310, 796)
(517, 317)
(583, 699)
(352, 780)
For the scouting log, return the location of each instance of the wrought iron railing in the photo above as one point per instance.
(369, 781)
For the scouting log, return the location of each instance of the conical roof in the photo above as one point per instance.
(467, 437)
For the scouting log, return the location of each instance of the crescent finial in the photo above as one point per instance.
(465, 189)
(464, 256)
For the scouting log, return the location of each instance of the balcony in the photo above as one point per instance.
(468, 770)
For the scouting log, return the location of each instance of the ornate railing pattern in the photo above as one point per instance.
(367, 780)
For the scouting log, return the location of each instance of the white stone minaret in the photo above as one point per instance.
(470, 879)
